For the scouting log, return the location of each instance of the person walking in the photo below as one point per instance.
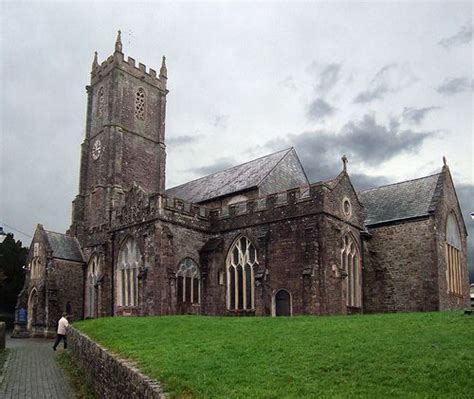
(62, 330)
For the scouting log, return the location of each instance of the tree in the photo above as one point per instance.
(12, 275)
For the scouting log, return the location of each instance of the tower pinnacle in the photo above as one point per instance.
(95, 63)
(163, 70)
(118, 42)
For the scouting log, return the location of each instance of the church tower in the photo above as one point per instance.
(125, 137)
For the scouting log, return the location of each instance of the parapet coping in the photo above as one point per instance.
(152, 384)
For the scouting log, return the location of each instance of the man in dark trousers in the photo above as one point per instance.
(62, 331)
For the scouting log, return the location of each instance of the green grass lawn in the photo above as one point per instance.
(392, 355)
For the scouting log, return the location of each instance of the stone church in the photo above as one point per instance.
(256, 239)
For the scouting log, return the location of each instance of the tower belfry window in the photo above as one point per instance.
(100, 102)
(140, 104)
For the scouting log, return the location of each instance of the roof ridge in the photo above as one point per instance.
(400, 182)
(55, 232)
(231, 167)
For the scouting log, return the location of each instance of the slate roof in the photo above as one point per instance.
(238, 178)
(64, 247)
(408, 199)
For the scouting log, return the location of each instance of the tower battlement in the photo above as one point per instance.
(129, 66)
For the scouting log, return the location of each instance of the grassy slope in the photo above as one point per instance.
(417, 354)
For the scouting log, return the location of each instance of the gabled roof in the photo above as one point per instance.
(236, 179)
(64, 246)
(405, 200)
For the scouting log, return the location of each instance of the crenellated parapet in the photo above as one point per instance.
(130, 66)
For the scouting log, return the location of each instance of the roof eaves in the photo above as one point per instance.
(399, 220)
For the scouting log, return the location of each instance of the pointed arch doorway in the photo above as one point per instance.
(32, 305)
(282, 303)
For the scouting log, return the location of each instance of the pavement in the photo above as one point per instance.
(31, 371)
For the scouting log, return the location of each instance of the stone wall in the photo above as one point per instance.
(400, 271)
(448, 204)
(110, 376)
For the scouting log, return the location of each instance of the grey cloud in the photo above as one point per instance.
(416, 115)
(365, 141)
(288, 82)
(181, 140)
(319, 109)
(464, 36)
(367, 96)
(221, 121)
(219, 164)
(328, 77)
(390, 79)
(452, 86)
(375, 143)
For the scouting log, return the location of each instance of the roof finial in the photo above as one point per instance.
(118, 42)
(344, 163)
(163, 70)
(95, 63)
(444, 161)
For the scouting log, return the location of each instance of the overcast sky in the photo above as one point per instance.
(388, 84)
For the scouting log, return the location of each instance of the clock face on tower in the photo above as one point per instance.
(96, 150)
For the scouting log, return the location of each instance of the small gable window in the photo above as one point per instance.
(140, 104)
(454, 273)
(189, 282)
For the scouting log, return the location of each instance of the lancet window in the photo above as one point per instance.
(93, 274)
(241, 263)
(350, 263)
(453, 256)
(129, 263)
(189, 282)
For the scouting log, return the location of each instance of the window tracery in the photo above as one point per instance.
(129, 262)
(93, 274)
(241, 262)
(350, 263)
(140, 104)
(454, 273)
(189, 282)
(100, 101)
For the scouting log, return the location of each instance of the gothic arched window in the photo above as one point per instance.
(129, 262)
(189, 282)
(100, 101)
(140, 104)
(453, 256)
(350, 263)
(93, 273)
(35, 268)
(241, 260)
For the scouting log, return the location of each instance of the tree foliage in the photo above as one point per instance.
(12, 275)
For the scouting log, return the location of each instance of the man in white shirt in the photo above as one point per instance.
(62, 331)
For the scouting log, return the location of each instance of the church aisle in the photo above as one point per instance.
(31, 371)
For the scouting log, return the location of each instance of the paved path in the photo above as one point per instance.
(31, 371)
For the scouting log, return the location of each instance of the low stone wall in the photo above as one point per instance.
(110, 376)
